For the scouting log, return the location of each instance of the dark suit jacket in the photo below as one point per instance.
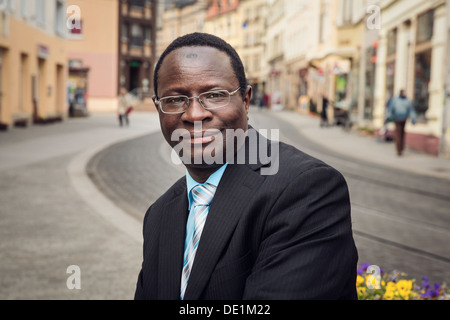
(282, 236)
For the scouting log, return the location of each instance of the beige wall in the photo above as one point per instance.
(22, 44)
(97, 48)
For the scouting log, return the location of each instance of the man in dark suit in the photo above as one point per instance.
(285, 234)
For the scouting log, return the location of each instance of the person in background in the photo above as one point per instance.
(122, 108)
(324, 113)
(400, 109)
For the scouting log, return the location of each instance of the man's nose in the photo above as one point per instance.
(195, 111)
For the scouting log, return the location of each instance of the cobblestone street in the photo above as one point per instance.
(75, 193)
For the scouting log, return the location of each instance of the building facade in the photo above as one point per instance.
(359, 54)
(223, 19)
(114, 44)
(253, 17)
(92, 51)
(33, 64)
(411, 55)
(179, 17)
(137, 45)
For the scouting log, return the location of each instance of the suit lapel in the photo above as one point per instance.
(171, 245)
(232, 195)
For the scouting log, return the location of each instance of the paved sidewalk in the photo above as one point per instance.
(366, 148)
(52, 216)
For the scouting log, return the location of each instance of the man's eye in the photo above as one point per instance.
(216, 95)
(175, 100)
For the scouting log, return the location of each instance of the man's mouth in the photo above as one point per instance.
(203, 137)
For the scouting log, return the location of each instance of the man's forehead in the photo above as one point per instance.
(188, 61)
(196, 52)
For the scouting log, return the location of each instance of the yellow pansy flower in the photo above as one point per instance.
(404, 288)
(359, 280)
(389, 295)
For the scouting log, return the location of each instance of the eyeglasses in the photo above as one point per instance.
(209, 100)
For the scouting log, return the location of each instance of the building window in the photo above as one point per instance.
(369, 82)
(60, 18)
(425, 26)
(390, 79)
(421, 82)
(11, 5)
(392, 42)
(137, 4)
(390, 62)
(137, 38)
(323, 26)
(347, 12)
(124, 31)
(148, 35)
(422, 65)
(24, 8)
(40, 11)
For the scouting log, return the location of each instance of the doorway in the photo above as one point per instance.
(135, 75)
(59, 90)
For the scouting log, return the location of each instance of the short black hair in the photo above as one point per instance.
(205, 40)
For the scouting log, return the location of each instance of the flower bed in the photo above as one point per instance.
(374, 285)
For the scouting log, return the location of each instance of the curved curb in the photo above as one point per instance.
(100, 204)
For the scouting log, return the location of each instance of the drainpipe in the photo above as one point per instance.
(443, 149)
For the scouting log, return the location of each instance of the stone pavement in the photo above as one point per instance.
(52, 215)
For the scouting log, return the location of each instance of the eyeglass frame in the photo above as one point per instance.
(158, 101)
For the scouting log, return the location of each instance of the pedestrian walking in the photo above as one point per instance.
(400, 109)
(123, 108)
(324, 113)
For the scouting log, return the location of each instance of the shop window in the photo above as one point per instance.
(390, 79)
(392, 42)
(369, 82)
(421, 82)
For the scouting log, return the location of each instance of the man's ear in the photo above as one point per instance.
(248, 97)
(154, 103)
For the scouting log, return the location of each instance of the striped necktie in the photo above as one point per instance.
(202, 196)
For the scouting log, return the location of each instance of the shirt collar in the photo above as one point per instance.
(213, 179)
